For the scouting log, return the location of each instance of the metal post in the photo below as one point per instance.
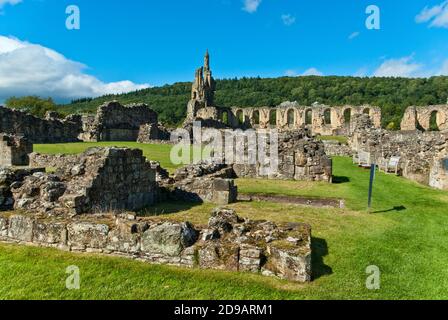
(372, 177)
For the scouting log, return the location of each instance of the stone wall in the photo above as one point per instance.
(420, 153)
(14, 150)
(300, 157)
(11, 177)
(338, 149)
(226, 243)
(320, 119)
(38, 160)
(115, 122)
(103, 179)
(149, 133)
(38, 130)
(204, 182)
(420, 118)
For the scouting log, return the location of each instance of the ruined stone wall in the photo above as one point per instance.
(420, 152)
(320, 119)
(205, 182)
(38, 130)
(38, 160)
(14, 150)
(101, 179)
(335, 148)
(419, 118)
(226, 243)
(115, 122)
(300, 157)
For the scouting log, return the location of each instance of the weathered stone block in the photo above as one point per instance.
(3, 227)
(21, 228)
(168, 238)
(50, 233)
(220, 256)
(87, 235)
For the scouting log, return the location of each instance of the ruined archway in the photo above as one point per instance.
(256, 117)
(290, 117)
(225, 117)
(309, 117)
(347, 116)
(327, 116)
(433, 121)
(240, 116)
(273, 117)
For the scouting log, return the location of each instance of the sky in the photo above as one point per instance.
(122, 46)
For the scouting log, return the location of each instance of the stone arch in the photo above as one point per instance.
(327, 116)
(273, 117)
(225, 117)
(256, 117)
(308, 117)
(290, 117)
(347, 116)
(240, 116)
(434, 121)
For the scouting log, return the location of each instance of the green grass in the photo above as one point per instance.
(155, 152)
(404, 235)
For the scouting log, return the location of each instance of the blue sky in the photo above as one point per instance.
(156, 42)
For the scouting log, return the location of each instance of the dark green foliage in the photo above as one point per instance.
(393, 95)
(32, 104)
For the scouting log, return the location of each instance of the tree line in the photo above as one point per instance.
(392, 95)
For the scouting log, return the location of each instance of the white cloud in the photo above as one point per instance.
(290, 73)
(438, 15)
(402, 67)
(251, 6)
(353, 35)
(30, 69)
(361, 72)
(11, 2)
(288, 19)
(312, 72)
(444, 69)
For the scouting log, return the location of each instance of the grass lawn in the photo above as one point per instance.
(404, 235)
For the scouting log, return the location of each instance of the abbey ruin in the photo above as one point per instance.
(90, 202)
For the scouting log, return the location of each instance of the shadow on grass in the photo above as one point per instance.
(168, 208)
(397, 209)
(319, 251)
(340, 179)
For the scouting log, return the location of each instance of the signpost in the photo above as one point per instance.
(372, 177)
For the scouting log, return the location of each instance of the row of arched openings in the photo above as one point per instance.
(291, 117)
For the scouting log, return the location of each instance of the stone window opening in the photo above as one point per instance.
(327, 116)
(273, 118)
(433, 126)
(240, 117)
(366, 111)
(309, 117)
(256, 117)
(347, 116)
(290, 118)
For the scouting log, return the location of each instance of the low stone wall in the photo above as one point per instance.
(205, 182)
(38, 160)
(227, 243)
(337, 149)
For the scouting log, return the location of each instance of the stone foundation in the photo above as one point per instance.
(227, 243)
